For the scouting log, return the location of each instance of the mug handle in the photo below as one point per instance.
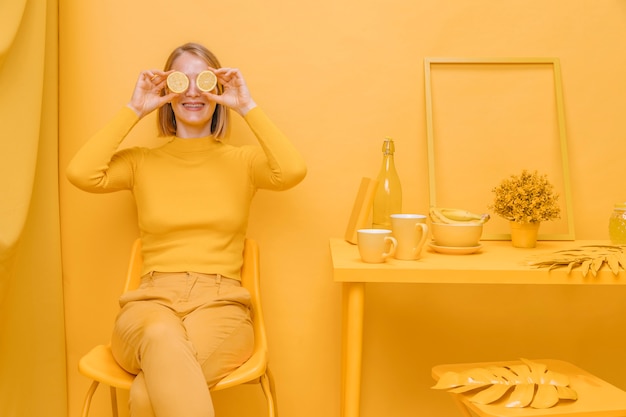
(393, 243)
(420, 245)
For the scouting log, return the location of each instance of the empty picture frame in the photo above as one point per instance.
(488, 119)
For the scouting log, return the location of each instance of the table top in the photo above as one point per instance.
(497, 262)
(596, 397)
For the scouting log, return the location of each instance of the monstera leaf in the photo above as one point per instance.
(531, 384)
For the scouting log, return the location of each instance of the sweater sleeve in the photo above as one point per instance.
(97, 167)
(280, 166)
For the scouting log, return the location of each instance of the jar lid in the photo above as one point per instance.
(620, 206)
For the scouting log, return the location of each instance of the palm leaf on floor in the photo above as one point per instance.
(531, 384)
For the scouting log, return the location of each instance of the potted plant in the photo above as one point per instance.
(526, 200)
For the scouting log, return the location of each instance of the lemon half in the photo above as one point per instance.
(206, 81)
(177, 82)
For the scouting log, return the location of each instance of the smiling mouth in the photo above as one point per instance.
(193, 106)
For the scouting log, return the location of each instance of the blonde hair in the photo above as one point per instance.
(166, 119)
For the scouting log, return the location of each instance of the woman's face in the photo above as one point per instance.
(192, 109)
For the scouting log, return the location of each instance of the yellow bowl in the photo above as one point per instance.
(456, 234)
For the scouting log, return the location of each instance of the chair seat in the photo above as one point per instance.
(253, 369)
(100, 365)
(596, 397)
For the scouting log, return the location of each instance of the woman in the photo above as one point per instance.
(188, 325)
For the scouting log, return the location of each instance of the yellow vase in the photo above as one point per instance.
(524, 235)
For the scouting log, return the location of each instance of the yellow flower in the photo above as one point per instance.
(527, 198)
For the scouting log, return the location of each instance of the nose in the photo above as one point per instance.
(193, 90)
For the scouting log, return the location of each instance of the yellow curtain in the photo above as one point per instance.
(32, 335)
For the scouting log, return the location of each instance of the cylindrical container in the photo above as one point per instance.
(617, 224)
(388, 195)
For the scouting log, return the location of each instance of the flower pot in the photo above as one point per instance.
(524, 235)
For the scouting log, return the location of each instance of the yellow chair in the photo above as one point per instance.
(100, 366)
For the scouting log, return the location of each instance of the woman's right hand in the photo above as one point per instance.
(147, 95)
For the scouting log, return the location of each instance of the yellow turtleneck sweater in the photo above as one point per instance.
(193, 195)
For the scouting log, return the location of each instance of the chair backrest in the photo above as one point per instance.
(133, 275)
(250, 279)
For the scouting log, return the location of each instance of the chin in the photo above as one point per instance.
(195, 119)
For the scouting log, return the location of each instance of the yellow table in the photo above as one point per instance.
(497, 263)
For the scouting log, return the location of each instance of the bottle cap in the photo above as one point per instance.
(389, 147)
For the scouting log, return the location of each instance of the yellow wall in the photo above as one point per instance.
(338, 76)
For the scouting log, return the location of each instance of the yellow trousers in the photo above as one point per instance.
(180, 333)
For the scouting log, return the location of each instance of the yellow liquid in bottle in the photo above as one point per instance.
(388, 196)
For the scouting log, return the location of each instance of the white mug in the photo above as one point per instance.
(375, 245)
(411, 231)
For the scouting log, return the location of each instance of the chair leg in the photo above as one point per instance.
(88, 397)
(267, 384)
(114, 410)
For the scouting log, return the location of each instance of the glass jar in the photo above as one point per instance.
(617, 224)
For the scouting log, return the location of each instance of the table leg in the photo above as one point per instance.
(352, 349)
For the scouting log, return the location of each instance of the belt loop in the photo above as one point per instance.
(218, 282)
(151, 278)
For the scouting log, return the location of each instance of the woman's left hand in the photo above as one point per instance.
(236, 94)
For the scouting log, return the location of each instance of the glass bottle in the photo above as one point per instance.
(388, 195)
(617, 224)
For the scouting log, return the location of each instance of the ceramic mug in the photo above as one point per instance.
(375, 245)
(411, 231)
